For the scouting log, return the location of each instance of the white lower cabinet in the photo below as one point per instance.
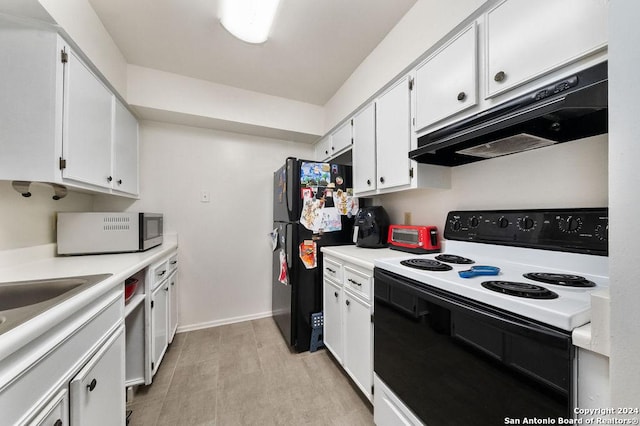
(173, 306)
(358, 342)
(159, 322)
(93, 400)
(44, 382)
(55, 413)
(348, 331)
(332, 334)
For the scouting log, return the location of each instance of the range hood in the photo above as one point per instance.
(569, 109)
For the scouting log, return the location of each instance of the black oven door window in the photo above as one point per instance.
(452, 365)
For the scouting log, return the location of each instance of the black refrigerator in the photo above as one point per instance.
(313, 206)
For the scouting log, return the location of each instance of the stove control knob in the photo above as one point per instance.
(526, 223)
(473, 222)
(570, 224)
(456, 225)
(503, 222)
(602, 232)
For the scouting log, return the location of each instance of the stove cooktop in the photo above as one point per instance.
(544, 274)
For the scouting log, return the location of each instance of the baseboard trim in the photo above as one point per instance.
(226, 321)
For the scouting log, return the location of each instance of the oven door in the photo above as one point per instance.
(454, 361)
(151, 225)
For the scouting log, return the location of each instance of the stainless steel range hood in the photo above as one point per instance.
(569, 109)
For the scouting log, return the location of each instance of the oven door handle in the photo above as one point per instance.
(498, 319)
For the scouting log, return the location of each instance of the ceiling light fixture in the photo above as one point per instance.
(248, 20)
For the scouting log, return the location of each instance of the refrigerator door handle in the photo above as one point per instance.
(289, 239)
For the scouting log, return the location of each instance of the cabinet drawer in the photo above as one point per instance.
(172, 263)
(158, 273)
(358, 282)
(332, 270)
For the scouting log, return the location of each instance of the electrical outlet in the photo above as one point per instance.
(204, 196)
(407, 218)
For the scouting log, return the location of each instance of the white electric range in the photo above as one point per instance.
(452, 349)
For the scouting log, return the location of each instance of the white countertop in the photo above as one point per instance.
(363, 257)
(40, 262)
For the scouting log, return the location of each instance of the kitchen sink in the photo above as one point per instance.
(24, 300)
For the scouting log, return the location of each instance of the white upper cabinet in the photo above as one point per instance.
(447, 82)
(364, 150)
(341, 138)
(335, 143)
(60, 122)
(86, 136)
(323, 148)
(526, 39)
(393, 135)
(125, 151)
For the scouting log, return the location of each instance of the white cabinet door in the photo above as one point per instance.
(159, 325)
(125, 151)
(323, 148)
(341, 138)
(54, 413)
(358, 333)
(393, 134)
(86, 137)
(332, 308)
(364, 150)
(173, 305)
(526, 39)
(446, 83)
(97, 394)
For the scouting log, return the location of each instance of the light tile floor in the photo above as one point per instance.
(244, 374)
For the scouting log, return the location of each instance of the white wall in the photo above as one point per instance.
(573, 174)
(423, 25)
(224, 254)
(31, 221)
(158, 90)
(624, 175)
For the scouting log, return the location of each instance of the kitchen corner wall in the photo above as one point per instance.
(225, 249)
(573, 174)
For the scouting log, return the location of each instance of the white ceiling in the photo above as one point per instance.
(314, 46)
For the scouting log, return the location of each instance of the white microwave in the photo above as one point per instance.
(94, 233)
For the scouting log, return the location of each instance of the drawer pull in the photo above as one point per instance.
(500, 76)
(91, 386)
(173, 262)
(462, 96)
(331, 270)
(162, 273)
(335, 293)
(355, 282)
(58, 422)
(348, 303)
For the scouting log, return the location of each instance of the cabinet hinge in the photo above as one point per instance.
(372, 389)
(411, 172)
(352, 122)
(371, 317)
(351, 141)
(411, 83)
(413, 121)
(63, 163)
(152, 304)
(64, 56)
(152, 365)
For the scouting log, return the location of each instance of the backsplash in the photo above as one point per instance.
(31, 221)
(573, 174)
